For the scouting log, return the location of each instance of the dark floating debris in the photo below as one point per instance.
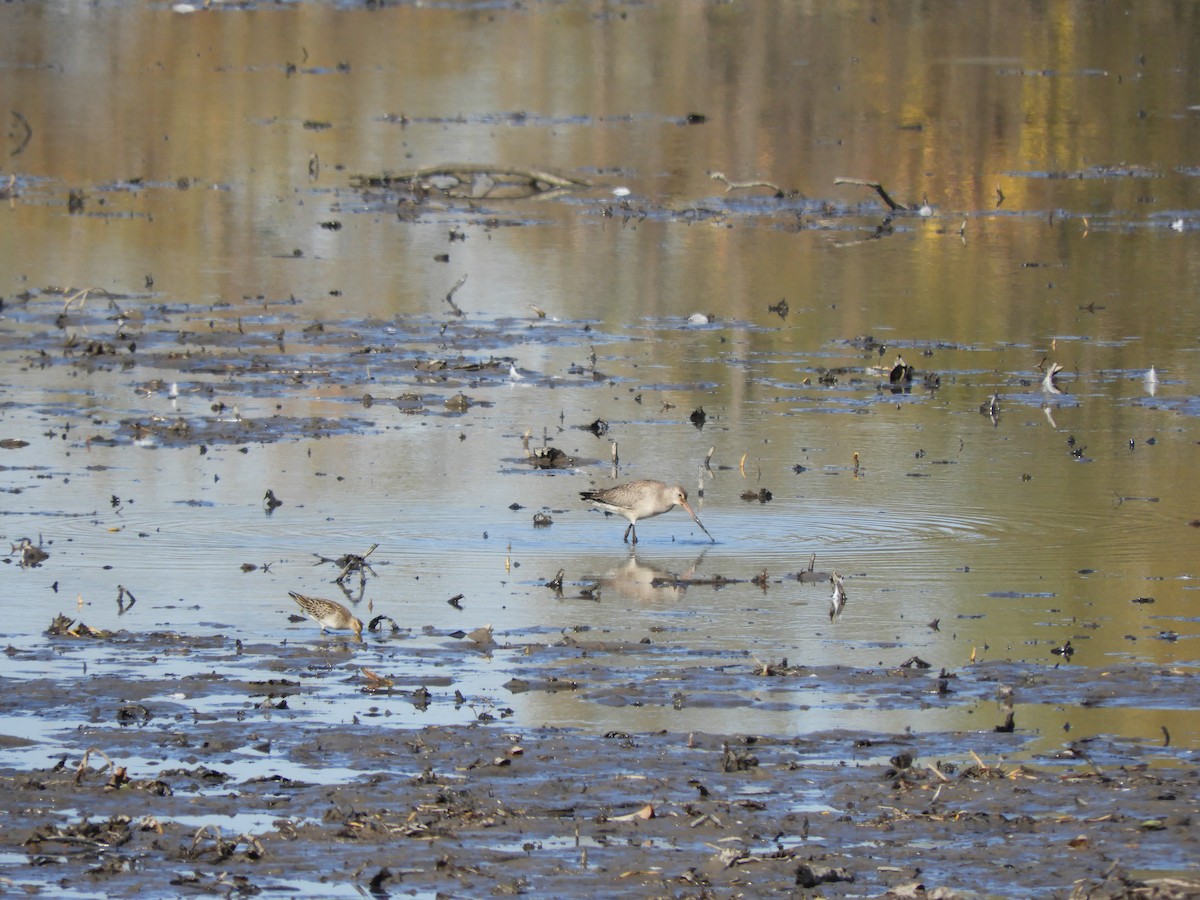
(474, 182)
(762, 495)
(353, 562)
(698, 417)
(65, 626)
(550, 458)
(735, 760)
(900, 762)
(901, 372)
(810, 576)
(31, 556)
(133, 714)
(1066, 651)
(809, 875)
(376, 624)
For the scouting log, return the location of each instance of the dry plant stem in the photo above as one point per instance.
(456, 169)
(356, 562)
(744, 185)
(465, 171)
(450, 296)
(24, 123)
(84, 762)
(81, 296)
(892, 204)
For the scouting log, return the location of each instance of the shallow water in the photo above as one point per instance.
(205, 165)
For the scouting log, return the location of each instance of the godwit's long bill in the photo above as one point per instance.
(642, 500)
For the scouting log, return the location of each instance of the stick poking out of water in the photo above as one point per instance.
(892, 204)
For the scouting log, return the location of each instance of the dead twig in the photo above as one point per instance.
(354, 563)
(746, 185)
(81, 296)
(892, 204)
(481, 180)
(450, 296)
(375, 681)
(122, 593)
(23, 122)
(83, 764)
(531, 175)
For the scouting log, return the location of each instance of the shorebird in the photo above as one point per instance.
(328, 614)
(642, 500)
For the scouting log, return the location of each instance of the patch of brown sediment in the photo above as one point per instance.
(255, 792)
(483, 809)
(199, 377)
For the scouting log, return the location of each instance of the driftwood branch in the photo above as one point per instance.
(515, 172)
(353, 562)
(892, 204)
(746, 185)
(472, 180)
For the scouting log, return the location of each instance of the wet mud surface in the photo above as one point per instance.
(233, 781)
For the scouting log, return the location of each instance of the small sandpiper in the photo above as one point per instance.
(328, 614)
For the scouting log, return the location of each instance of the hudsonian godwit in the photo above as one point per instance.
(642, 500)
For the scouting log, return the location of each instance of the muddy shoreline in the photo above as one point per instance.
(153, 796)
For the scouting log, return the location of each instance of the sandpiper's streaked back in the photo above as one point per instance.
(642, 500)
(328, 614)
